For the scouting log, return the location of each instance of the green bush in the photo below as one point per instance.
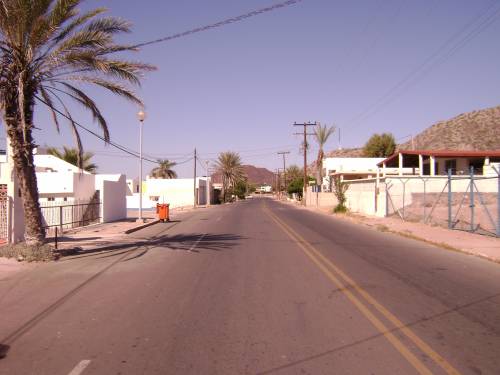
(380, 146)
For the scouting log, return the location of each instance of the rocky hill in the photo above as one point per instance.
(256, 176)
(477, 130)
(345, 153)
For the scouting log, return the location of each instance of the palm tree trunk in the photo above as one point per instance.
(21, 141)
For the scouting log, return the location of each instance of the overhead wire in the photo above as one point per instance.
(109, 142)
(438, 57)
(227, 21)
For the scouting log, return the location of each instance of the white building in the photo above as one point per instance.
(265, 189)
(178, 192)
(59, 184)
(60, 181)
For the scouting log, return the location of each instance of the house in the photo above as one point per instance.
(352, 168)
(438, 162)
(60, 181)
(66, 195)
(264, 189)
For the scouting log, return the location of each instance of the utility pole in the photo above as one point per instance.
(194, 181)
(284, 166)
(207, 186)
(340, 144)
(305, 125)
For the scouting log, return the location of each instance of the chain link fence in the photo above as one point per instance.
(463, 202)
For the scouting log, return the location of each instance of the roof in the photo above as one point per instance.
(443, 154)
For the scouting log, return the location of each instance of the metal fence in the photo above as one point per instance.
(71, 214)
(464, 202)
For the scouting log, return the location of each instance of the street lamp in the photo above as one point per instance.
(141, 115)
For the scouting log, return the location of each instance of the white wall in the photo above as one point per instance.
(55, 183)
(177, 192)
(84, 186)
(113, 190)
(50, 162)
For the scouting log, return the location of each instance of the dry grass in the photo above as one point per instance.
(25, 253)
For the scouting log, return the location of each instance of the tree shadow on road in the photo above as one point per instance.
(193, 242)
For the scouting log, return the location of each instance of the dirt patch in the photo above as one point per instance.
(24, 253)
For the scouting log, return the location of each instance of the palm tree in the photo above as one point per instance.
(164, 169)
(48, 50)
(322, 133)
(70, 155)
(229, 167)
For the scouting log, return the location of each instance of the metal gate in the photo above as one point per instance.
(4, 214)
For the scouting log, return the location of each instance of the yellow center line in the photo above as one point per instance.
(316, 256)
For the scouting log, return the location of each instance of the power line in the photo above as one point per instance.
(438, 57)
(116, 145)
(225, 22)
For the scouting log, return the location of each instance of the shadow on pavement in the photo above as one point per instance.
(194, 242)
(4, 349)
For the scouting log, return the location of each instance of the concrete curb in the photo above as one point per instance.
(132, 230)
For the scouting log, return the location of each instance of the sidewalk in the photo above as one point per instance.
(91, 237)
(474, 244)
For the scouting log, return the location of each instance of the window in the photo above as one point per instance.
(450, 164)
(51, 199)
(477, 164)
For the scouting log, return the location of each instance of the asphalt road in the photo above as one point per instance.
(255, 287)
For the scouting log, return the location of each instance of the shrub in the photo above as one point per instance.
(339, 189)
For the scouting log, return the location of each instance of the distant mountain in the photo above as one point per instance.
(477, 130)
(259, 176)
(256, 176)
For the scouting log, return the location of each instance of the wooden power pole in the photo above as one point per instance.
(194, 183)
(284, 167)
(305, 125)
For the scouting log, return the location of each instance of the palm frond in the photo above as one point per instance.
(113, 87)
(82, 98)
(76, 23)
(46, 97)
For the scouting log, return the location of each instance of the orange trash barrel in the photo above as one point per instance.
(163, 211)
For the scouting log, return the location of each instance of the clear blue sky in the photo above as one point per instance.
(240, 87)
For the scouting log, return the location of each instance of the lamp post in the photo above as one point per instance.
(141, 115)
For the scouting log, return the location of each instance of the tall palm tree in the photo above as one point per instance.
(229, 167)
(71, 156)
(49, 50)
(164, 169)
(322, 133)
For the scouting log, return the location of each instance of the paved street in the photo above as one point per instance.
(255, 287)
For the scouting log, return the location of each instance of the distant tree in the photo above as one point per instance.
(294, 172)
(380, 146)
(296, 186)
(71, 155)
(322, 133)
(164, 169)
(241, 188)
(229, 166)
